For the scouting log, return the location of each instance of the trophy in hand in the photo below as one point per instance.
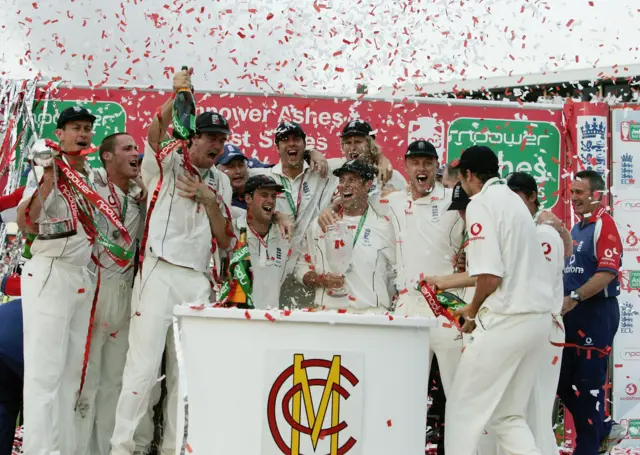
(339, 248)
(58, 226)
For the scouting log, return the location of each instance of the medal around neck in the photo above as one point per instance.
(54, 226)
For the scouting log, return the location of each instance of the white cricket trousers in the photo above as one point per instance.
(161, 288)
(96, 412)
(494, 381)
(445, 340)
(56, 307)
(540, 407)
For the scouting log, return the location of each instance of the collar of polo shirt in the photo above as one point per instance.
(277, 169)
(438, 193)
(594, 216)
(488, 183)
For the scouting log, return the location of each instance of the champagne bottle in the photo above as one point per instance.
(242, 276)
(184, 113)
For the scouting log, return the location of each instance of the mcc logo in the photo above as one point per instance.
(304, 418)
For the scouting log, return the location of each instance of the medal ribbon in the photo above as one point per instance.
(295, 208)
(166, 148)
(122, 208)
(360, 226)
(90, 195)
(117, 253)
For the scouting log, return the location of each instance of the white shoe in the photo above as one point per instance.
(615, 437)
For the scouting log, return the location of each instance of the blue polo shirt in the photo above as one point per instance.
(597, 247)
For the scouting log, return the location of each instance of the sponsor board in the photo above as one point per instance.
(526, 146)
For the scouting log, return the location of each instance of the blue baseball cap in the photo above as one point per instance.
(231, 152)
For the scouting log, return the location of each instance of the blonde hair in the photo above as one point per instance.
(374, 149)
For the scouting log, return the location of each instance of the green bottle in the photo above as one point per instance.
(184, 113)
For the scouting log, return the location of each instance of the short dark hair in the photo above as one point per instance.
(109, 144)
(596, 182)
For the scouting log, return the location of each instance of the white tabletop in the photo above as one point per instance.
(331, 317)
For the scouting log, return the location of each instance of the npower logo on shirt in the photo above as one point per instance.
(631, 354)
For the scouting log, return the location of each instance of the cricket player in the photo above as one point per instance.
(236, 165)
(541, 401)
(306, 192)
(116, 183)
(369, 279)
(591, 316)
(428, 239)
(358, 141)
(269, 249)
(509, 316)
(185, 224)
(57, 292)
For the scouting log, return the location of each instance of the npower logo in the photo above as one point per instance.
(631, 354)
(632, 205)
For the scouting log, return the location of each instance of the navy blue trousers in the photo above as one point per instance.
(591, 324)
(11, 372)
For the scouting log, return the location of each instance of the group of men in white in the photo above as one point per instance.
(500, 380)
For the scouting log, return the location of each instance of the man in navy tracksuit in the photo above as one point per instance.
(11, 370)
(591, 317)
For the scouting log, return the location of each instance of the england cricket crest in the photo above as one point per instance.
(314, 403)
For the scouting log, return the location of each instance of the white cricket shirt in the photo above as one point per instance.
(503, 242)
(76, 249)
(429, 235)
(309, 193)
(553, 250)
(371, 276)
(179, 230)
(271, 262)
(132, 222)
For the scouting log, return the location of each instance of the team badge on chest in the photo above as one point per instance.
(366, 237)
(435, 213)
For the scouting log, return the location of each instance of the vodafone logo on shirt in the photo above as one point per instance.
(546, 249)
(475, 230)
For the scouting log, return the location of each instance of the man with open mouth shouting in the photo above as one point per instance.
(57, 291)
(306, 192)
(368, 282)
(429, 236)
(187, 220)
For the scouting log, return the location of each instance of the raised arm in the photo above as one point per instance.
(161, 121)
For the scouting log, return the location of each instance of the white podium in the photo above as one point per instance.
(303, 383)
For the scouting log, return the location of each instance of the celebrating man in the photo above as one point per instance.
(185, 224)
(305, 194)
(236, 165)
(116, 183)
(358, 142)
(510, 311)
(57, 289)
(429, 237)
(591, 316)
(269, 250)
(369, 279)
